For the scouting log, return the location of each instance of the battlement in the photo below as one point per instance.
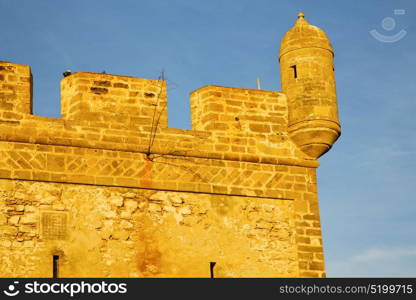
(124, 115)
(128, 104)
(138, 104)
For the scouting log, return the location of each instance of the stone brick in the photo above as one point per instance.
(316, 266)
(260, 128)
(30, 218)
(130, 205)
(125, 224)
(14, 220)
(120, 235)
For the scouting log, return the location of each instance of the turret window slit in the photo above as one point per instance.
(295, 73)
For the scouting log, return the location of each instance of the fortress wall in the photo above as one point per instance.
(145, 200)
(126, 232)
(291, 187)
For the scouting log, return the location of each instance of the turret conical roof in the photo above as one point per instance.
(304, 35)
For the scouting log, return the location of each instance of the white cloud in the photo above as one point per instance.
(376, 262)
(386, 253)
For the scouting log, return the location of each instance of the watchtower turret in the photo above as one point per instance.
(308, 80)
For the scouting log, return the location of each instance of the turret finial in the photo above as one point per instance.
(301, 19)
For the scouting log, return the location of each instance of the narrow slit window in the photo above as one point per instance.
(211, 268)
(55, 266)
(295, 72)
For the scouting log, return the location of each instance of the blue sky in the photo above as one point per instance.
(365, 183)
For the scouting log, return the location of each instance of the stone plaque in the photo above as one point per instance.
(53, 225)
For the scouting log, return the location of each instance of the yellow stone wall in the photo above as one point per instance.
(124, 232)
(114, 192)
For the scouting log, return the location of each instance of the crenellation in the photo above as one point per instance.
(15, 90)
(114, 99)
(216, 108)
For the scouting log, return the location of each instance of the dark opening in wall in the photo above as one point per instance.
(55, 265)
(211, 268)
(295, 73)
(149, 95)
